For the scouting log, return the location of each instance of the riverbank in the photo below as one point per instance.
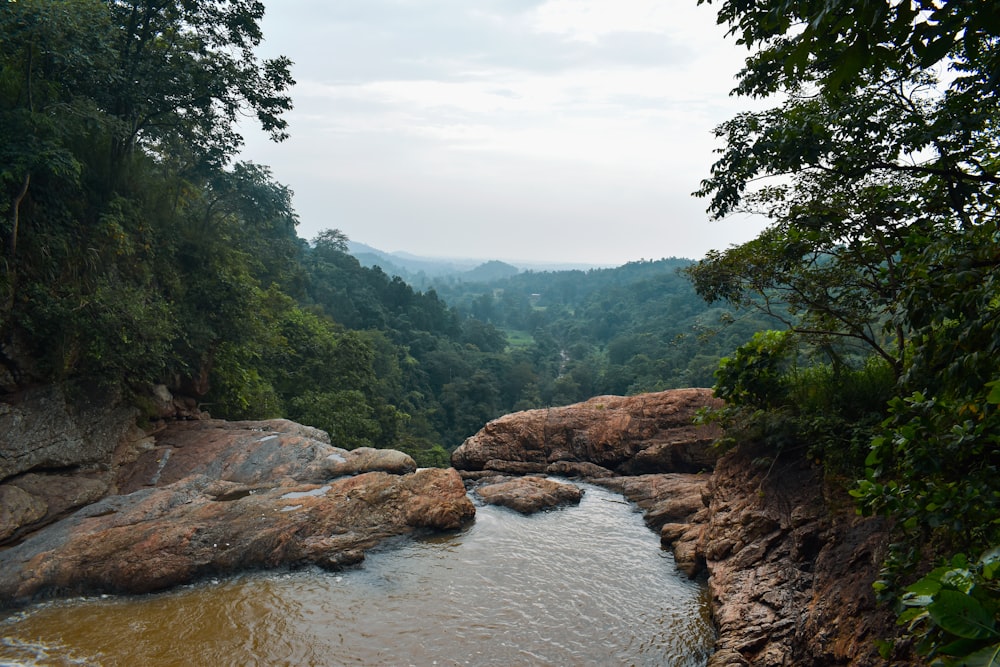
(584, 584)
(789, 565)
(788, 562)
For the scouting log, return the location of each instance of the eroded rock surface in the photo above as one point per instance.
(789, 564)
(649, 433)
(213, 497)
(790, 570)
(528, 495)
(42, 428)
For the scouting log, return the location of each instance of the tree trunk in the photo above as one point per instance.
(12, 245)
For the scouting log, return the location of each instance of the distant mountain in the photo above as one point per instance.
(422, 271)
(490, 271)
(412, 268)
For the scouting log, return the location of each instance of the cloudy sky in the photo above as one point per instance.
(524, 130)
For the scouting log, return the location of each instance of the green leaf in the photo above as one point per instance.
(924, 587)
(911, 614)
(987, 657)
(962, 615)
(960, 647)
(994, 395)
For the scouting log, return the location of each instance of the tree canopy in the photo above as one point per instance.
(878, 169)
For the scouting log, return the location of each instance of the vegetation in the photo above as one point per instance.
(878, 169)
(136, 251)
(639, 327)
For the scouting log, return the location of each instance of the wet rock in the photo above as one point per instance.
(649, 433)
(529, 494)
(214, 497)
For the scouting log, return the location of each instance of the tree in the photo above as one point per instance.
(122, 259)
(880, 174)
(186, 72)
(884, 182)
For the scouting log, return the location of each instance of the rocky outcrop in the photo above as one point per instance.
(210, 497)
(789, 563)
(791, 568)
(44, 429)
(528, 495)
(60, 446)
(649, 433)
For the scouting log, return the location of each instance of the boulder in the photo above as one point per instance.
(368, 459)
(528, 495)
(51, 497)
(214, 497)
(649, 433)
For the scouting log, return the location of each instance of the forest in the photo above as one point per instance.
(861, 329)
(138, 251)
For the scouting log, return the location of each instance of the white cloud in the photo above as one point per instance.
(589, 20)
(439, 129)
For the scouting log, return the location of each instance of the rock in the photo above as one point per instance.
(685, 547)
(529, 494)
(578, 469)
(41, 428)
(789, 576)
(214, 497)
(648, 433)
(58, 494)
(368, 459)
(163, 401)
(670, 497)
(674, 504)
(18, 508)
(514, 467)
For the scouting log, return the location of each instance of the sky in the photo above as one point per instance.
(532, 131)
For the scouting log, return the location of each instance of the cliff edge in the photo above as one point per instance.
(789, 564)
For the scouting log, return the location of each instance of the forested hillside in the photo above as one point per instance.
(639, 327)
(136, 252)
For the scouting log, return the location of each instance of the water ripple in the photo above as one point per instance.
(585, 585)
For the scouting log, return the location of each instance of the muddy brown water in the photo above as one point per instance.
(586, 585)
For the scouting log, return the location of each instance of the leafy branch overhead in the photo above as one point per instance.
(878, 171)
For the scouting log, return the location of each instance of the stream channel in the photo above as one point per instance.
(582, 585)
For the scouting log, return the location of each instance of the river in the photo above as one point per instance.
(583, 585)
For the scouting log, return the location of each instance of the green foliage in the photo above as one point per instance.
(820, 410)
(755, 377)
(639, 327)
(345, 415)
(880, 178)
(954, 612)
(935, 467)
